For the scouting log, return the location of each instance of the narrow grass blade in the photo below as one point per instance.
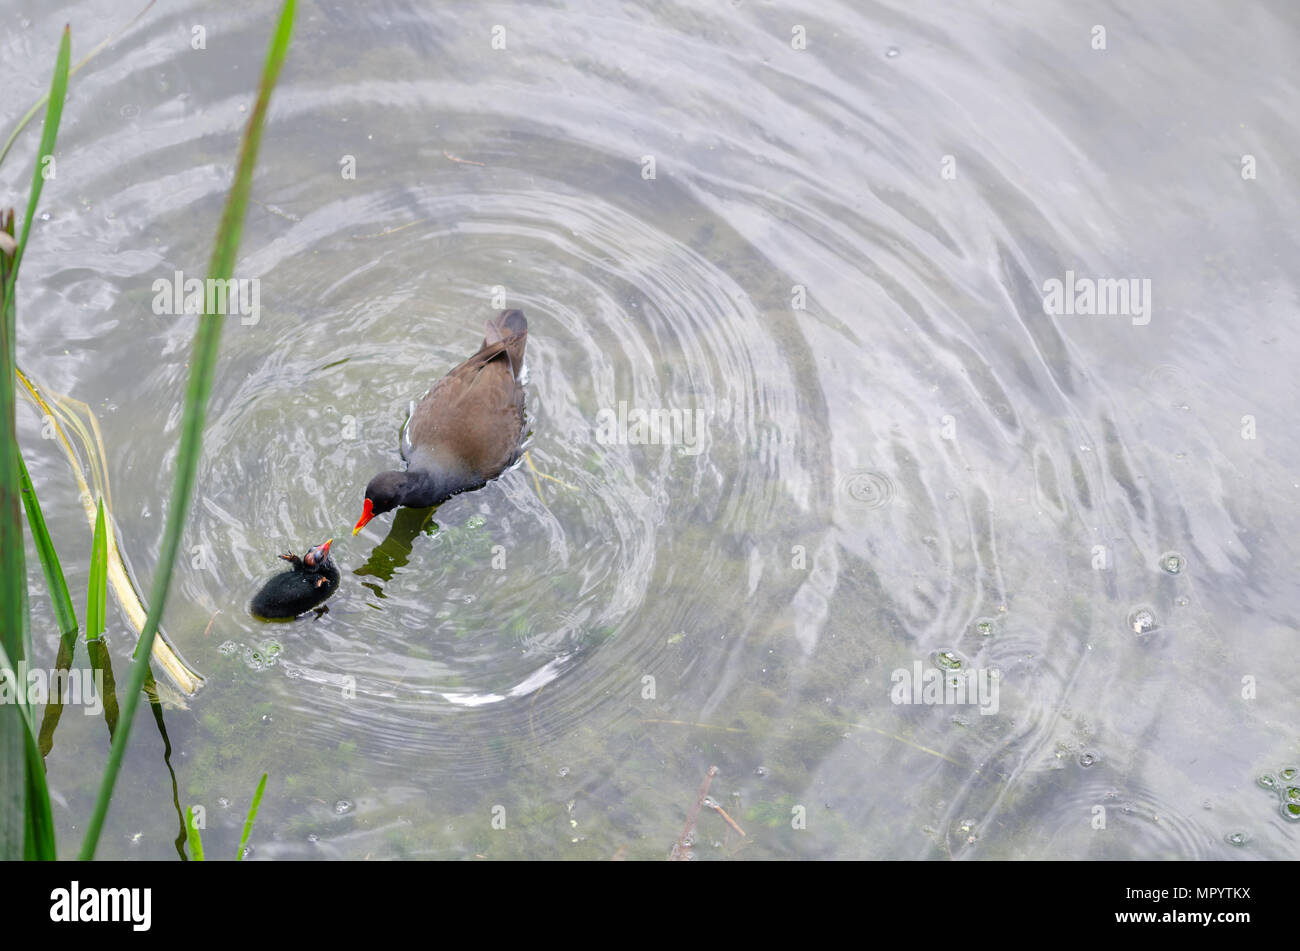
(96, 613)
(54, 706)
(203, 363)
(192, 836)
(36, 106)
(54, 579)
(53, 113)
(39, 836)
(33, 798)
(97, 591)
(102, 663)
(24, 804)
(252, 817)
(13, 582)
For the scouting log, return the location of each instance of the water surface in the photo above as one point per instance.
(840, 263)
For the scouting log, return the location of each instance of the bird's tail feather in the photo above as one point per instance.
(506, 324)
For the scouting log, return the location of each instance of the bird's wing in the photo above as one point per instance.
(474, 415)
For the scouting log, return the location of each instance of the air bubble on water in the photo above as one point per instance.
(1293, 794)
(228, 648)
(247, 851)
(1289, 773)
(475, 521)
(1142, 620)
(223, 802)
(984, 626)
(1087, 759)
(1291, 810)
(1236, 838)
(1268, 781)
(564, 771)
(313, 837)
(892, 52)
(1173, 562)
(261, 658)
(342, 806)
(760, 770)
(872, 489)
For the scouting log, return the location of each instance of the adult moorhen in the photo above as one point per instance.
(311, 579)
(465, 431)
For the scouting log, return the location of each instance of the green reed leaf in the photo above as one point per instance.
(203, 363)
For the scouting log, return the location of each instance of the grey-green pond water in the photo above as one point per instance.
(905, 464)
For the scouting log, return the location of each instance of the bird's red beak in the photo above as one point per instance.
(316, 556)
(366, 516)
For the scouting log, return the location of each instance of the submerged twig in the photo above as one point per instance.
(682, 847)
(716, 807)
(388, 231)
(538, 485)
(702, 726)
(276, 211)
(460, 161)
(915, 746)
(533, 469)
(537, 472)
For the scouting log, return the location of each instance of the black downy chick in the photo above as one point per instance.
(311, 579)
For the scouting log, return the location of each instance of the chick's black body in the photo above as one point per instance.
(308, 582)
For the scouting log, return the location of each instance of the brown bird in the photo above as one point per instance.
(465, 431)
